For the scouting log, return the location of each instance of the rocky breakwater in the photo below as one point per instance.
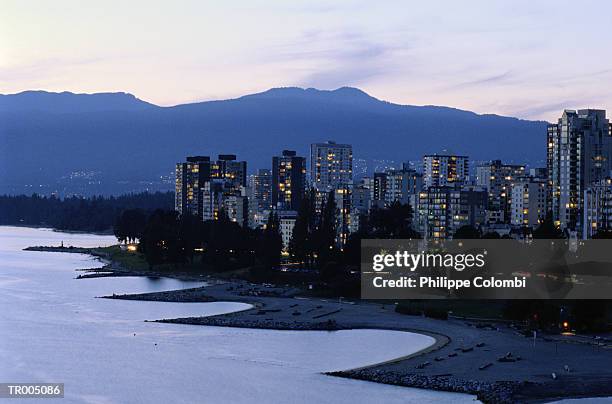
(268, 324)
(192, 295)
(488, 392)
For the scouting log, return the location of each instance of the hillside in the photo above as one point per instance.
(45, 136)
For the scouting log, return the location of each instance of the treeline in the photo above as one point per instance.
(169, 239)
(165, 237)
(94, 214)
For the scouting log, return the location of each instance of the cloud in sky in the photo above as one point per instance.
(486, 80)
(515, 58)
(328, 60)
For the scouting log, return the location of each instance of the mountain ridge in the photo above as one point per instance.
(127, 139)
(67, 101)
(274, 92)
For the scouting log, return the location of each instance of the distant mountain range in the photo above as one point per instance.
(45, 136)
(67, 102)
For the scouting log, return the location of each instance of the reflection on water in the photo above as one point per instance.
(52, 329)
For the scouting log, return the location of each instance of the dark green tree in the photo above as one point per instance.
(190, 234)
(466, 232)
(590, 315)
(352, 250)
(93, 214)
(160, 239)
(270, 243)
(221, 239)
(130, 225)
(327, 231)
(394, 221)
(547, 229)
(301, 245)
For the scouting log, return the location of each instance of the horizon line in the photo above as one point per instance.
(199, 101)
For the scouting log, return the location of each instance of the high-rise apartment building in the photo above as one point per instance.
(579, 154)
(379, 189)
(443, 170)
(401, 185)
(227, 168)
(204, 187)
(441, 211)
(342, 197)
(361, 198)
(288, 180)
(597, 208)
(261, 188)
(361, 202)
(529, 204)
(396, 185)
(497, 178)
(220, 197)
(331, 165)
(343, 214)
(190, 178)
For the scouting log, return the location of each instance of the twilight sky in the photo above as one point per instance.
(528, 59)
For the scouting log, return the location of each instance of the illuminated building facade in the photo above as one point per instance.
(443, 210)
(288, 180)
(190, 178)
(597, 208)
(579, 155)
(497, 179)
(286, 219)
(445, 170)
(220, 197)
(529, 205)
(227, 168)
(331, 165)
(261, 188)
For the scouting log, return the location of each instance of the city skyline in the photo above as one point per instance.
(415, 57)
(447, 195)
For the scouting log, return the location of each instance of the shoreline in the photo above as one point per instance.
(469, 362)
(108, 232)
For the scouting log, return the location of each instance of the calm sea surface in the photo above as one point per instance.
(53, 329)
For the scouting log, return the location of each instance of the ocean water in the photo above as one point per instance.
(53, 329)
